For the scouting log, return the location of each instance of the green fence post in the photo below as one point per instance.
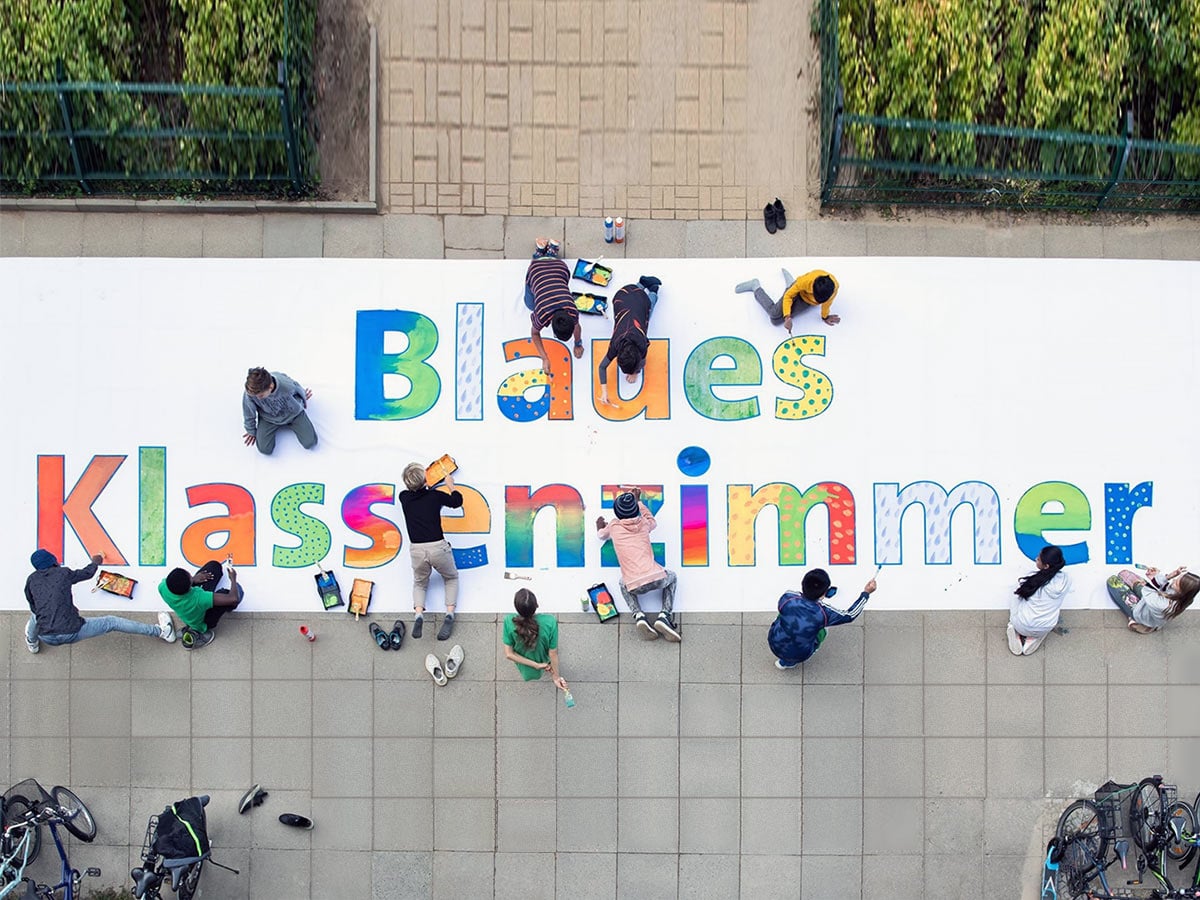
(289, 131)
(59, 77)
(835, 148)
(1122, 159)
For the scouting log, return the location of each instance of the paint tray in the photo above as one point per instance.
(360, 596)
(602, 602)
(328, 589)
(590, 304)
(439, 469)
(114, 583)
(593, 272)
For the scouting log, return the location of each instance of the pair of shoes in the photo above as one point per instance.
(774, 216)
(645, 630)
(780, 664)
(664, 626)
(454, 661)
(447, 627)
(1014, 641)
(388, 640)
(32, 644)
(296, 821)
(650, 283)
(194, 640)
(253, 797)
(1139, 628)
(166, 629)
(1031, 645)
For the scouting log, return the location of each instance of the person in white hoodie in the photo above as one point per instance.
(1037, 601)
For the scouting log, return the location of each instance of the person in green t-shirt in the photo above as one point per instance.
(531, 640)
(196, 600)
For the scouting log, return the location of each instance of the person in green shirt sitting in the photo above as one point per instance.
(531, 640)
(198, 603)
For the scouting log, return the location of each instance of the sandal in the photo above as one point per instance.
(454, 660)
(1139, 628)
(381, 637)
(396, 638)
(435, 669)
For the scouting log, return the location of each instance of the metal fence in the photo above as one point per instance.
(876, 160)
(71, 137)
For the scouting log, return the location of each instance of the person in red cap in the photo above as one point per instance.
(640, 573)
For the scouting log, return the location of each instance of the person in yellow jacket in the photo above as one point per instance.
(815, 288)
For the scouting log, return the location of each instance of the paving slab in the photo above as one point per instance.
(289, 235)
(358, 236)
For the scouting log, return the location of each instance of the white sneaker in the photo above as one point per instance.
(166, 630)
(1031, 645)
(645, 629)
(1014, 641)
(33, 645)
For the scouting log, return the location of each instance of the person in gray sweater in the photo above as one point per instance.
(54, 618)
(273, 401)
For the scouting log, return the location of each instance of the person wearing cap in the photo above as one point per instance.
(428, 546)
(632, 307)
(640, 573)
(54, 618)
(815, 288)
(197, 601)
(548, 296)
(800, 627)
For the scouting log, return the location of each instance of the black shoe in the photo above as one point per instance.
(446, 629)
(664, 626)
(397, 635)
(296, 821)
(253, 797)
(650, 283)
(769, 218)
(418, 623)
(780, 215)
(194, 640)
(381, 637)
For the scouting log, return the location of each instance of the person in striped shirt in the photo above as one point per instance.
(548, 296)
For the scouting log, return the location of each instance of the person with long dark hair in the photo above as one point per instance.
(1153, 601)
(1037, 601)
(531, 640)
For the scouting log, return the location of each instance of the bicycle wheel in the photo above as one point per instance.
(79, 819)
(1182, 816)
(14, 812)
(1145, 813)
(1083, 839)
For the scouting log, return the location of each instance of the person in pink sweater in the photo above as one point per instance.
(640, 574)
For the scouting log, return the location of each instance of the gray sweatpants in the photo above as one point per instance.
(666, 584)
(426, 558)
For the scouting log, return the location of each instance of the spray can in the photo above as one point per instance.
(308, 633)
(619, 230)
(608, 230)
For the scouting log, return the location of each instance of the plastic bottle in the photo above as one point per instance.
(619, 230)
(608, 230)
(568, 699)
(308, 633)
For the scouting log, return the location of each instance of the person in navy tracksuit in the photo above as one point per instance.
(799, 628)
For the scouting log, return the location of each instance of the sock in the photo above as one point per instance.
(787, 276)
(447, 627)
(747, 287)
(417, 623)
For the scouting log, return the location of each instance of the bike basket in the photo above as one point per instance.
(148, 840)
(30, 790)
(1112, 800)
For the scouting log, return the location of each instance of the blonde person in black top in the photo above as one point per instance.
(428, 546)
(632, 307)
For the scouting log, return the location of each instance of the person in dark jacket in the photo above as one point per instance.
(799, 628)
(632, 307)
(54, 618)
(428, 546)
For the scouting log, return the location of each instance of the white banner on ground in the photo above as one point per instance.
(963, 413)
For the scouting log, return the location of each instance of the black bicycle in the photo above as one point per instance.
(174, 851)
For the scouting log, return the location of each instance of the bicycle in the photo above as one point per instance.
(175, 847)
(24, 809)
(1079, 852)
(1164, 828)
